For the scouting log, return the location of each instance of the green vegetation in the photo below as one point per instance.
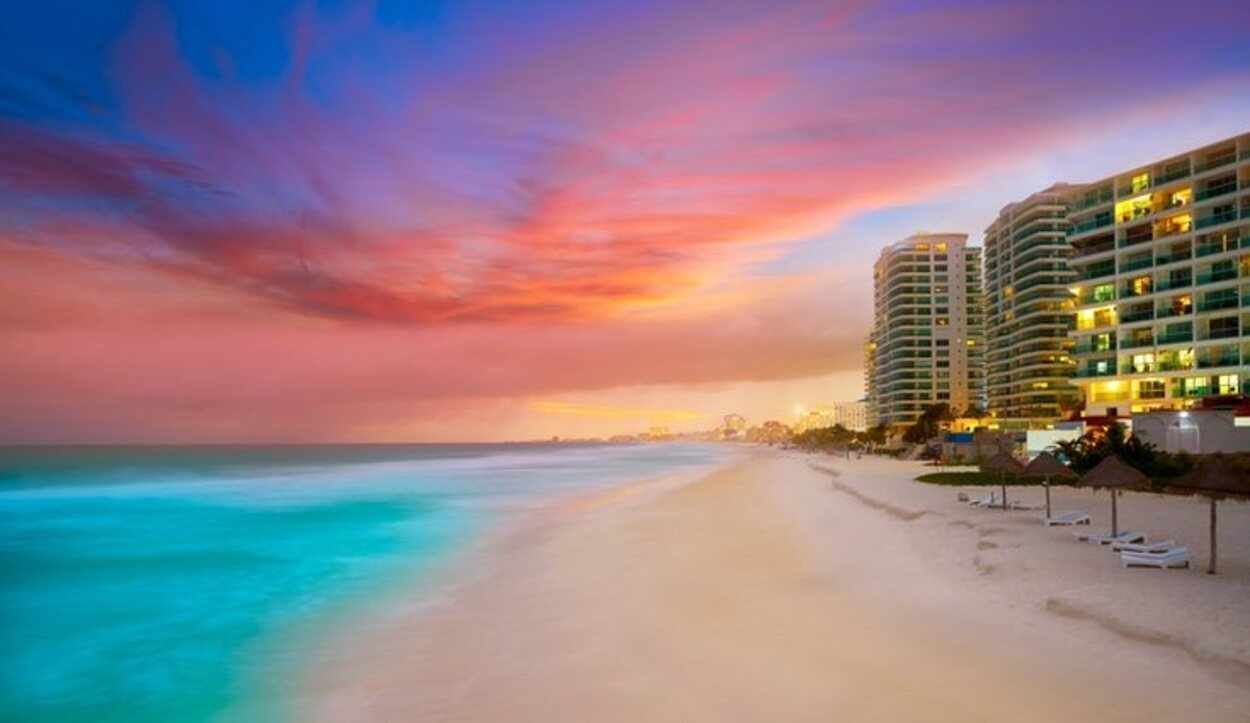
(839, 438)
(1094, 446)
(975, 479)
(1084, 454)
(928, 424)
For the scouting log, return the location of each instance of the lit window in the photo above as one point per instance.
(1141, 182)
(1228, 384)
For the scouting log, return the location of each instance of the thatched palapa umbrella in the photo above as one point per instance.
(1215, 478)
(1047, 466)
(1113, 473)
(1004, 464)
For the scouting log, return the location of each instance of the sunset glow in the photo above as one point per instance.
(502, 220)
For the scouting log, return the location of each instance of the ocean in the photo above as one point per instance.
(189, 583)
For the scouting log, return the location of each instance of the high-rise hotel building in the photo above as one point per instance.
(927, 338)
(1028, 310)
(1162, 289)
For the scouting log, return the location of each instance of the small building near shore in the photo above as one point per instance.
(973, 447)
(1195, 431)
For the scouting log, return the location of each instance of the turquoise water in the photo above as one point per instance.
(180, 584)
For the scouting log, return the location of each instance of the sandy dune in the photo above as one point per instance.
(775, 591)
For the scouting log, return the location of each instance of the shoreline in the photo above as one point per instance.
(475, 563)
(769, 589)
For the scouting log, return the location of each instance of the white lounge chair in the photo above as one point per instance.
(1066, 519)
(989, 501)
(1175, 557)
(1024, 506)
(1106, 538)
(1161, 546)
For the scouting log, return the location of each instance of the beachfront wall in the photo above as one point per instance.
(1042, 440)
(1199, 431)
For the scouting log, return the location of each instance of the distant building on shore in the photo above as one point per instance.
(1028, 310)
(734, 426)
(927, 339)
(1161, 255)
(852, 415)
(770, 432)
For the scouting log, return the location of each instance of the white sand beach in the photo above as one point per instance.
(772, 590)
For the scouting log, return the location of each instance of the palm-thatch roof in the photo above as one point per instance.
(1113, 472)
(1049, 466)
(1216, 475)
(1003, 463)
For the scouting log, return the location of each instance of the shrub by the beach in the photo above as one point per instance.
(975, 478)
(839, 438)
(928, 424)
(1084, 453)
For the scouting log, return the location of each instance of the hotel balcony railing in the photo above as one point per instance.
(1139, 239)
(1174, 282)
(1092, 224)
(1137, 316)
(1226, 360)
(1138, 368)
(1094, 373)
(1167, 231)
(1169, 176)
(1216, 220)
(1219, 248)
(1216, 191)
(1136, 264)
(1172, 258)
(1227, 302)
(1047, 279)
(1193, 391)
(1096, 271)
(1136, 343)
(1175, 337)
(1245, 155)
(1214, 334)
(1137, 214)
(1128, 292)
(1098, 198)
(1215, 277)
(1171, 366)
(1171, 312)
(1095, 249)
(1224, 160)
(1094, 348)
(1088, 297)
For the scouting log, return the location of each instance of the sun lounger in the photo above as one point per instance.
(1176, 557)
(1161, 546)
(1023, 506)
(1067, 518)
(988, 501)
(1106, 538)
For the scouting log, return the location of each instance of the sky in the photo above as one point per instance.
(460, 221)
